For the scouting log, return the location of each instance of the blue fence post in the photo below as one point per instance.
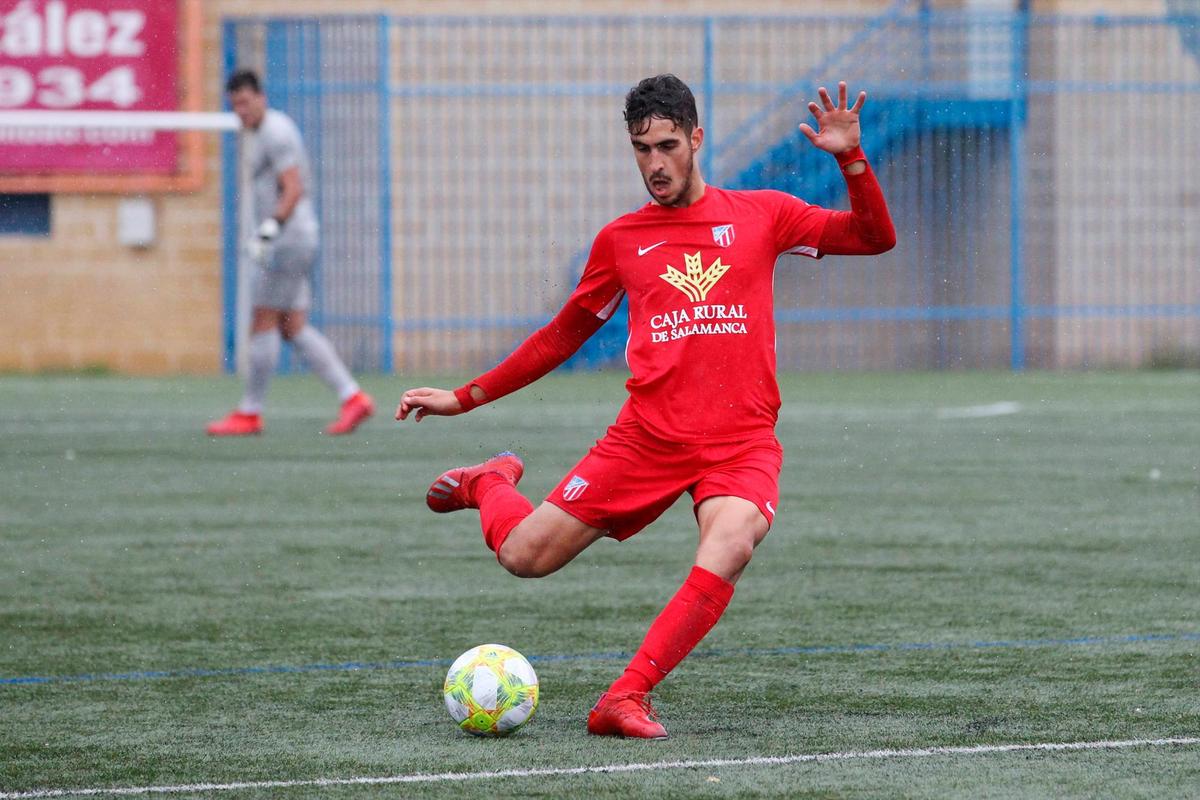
(278, 73)
(710, 90)
(1016, 161)
(229, 212)
(309, 105)
(385, 195)
(925, 15)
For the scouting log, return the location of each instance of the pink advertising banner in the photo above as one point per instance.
(88, 55)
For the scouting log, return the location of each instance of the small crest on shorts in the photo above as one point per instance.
(574, 488)
(723, 235)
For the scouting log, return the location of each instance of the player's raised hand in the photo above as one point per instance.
(838, 129)
(427, 401)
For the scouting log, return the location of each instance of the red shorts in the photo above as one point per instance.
(630, 477)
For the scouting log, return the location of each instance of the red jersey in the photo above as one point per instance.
(700, 282)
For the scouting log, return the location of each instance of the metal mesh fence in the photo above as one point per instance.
(1041, 171)
(329, 75)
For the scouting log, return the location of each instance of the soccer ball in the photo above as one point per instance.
(491, 690)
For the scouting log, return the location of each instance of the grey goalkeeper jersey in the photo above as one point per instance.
(272, 150)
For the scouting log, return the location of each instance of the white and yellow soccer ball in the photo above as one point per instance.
(491, 690)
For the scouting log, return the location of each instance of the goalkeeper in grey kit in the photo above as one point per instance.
(283, 247)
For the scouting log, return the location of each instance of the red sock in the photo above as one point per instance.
(501, 508)
(686, 620)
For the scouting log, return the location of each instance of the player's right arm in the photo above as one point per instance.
(589, 307)
(545, 349)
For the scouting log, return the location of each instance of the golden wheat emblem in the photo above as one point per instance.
(698, 280)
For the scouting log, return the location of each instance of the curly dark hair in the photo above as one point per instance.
(665, 97)
(243, 79)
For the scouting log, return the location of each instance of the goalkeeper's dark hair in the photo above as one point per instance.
(243, 79)
(665, 97)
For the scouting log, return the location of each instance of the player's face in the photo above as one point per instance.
(249, 105)
(666, 157)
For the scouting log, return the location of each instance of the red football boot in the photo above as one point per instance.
(628, 715)
(453, 490)
(357, 408)
(237, 423)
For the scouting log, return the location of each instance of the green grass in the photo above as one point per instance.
(131, 543)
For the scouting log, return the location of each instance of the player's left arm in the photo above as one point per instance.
(866, 229)
(284, 148)
(291, 189)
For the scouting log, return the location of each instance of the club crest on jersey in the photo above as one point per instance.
(574, 488)
(723, 235)
(697, 282)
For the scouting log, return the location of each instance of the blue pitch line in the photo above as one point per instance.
(354, 666)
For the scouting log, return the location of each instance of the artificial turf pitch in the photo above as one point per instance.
(960, 559)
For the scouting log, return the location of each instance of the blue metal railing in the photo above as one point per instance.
(229, 206)
(484, 135)
(332, 76)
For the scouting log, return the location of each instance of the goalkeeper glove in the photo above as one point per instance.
(256, 247)
(269, 229)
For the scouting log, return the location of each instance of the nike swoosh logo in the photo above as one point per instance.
(770, 508)
(643, 250)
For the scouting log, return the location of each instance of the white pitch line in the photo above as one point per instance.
(445, 777)
(1003, 408)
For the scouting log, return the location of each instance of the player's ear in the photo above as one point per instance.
(697, 138)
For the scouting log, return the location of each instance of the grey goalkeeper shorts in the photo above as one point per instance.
(283, 279)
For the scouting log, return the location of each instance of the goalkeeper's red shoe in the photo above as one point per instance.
(354, 411)
(237, 423)
(628, 714)
(454, 489)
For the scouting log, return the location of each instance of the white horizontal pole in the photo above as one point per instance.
(153, 120)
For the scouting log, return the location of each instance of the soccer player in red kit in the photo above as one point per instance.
(697, 264)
